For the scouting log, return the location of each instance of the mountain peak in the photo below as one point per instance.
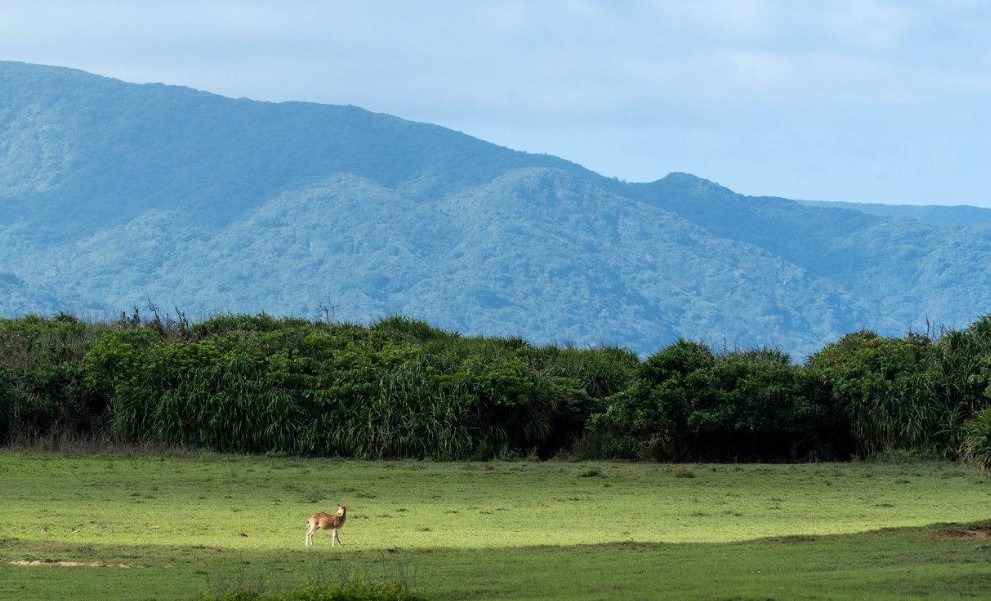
(690, 184)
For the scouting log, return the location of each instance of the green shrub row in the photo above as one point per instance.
(401, 388)
(398, 388)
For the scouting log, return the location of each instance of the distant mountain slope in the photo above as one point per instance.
(114, 194)
(69, 136)
(935, 215)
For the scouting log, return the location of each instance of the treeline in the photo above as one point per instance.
(401, 388)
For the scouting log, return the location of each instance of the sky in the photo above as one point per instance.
(851, 100)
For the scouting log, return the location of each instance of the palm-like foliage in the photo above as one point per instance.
(977, 440)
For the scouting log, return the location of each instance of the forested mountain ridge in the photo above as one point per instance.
(937, 215)
(113, 194)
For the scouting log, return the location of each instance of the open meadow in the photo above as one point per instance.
(178, 526)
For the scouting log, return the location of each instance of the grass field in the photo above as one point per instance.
(173, 527)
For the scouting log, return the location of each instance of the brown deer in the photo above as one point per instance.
(327, 521)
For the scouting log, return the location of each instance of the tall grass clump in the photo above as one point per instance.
(958, 378)
(977, 440)
(6, 406)
(330, 592)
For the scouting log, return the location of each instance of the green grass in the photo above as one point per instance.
(201, 523)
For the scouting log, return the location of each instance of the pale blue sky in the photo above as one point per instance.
(861, 100)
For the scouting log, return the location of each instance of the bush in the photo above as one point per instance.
(48, 393)
(977, 440)
(881, 386)
(6, 406)
(642, 421)
(688, 404)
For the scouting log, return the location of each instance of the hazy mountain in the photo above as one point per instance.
(113, 194)
(959, 216)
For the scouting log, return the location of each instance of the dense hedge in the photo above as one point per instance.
(401, 388)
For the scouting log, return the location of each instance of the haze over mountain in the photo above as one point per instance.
(113, 194)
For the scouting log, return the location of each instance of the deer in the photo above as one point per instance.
(327, 521)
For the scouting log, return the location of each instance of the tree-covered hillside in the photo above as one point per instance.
(114, 194)
(937, 215)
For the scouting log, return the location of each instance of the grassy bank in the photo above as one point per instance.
(188, 524)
